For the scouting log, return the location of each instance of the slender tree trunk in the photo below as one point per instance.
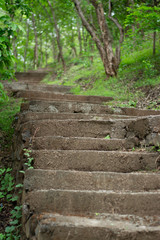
(154, 43)
(53, 38)
(41, 51)
(15, 51)
(15, 46)
(53, 47)
(26, 46)
(103, 43)
(84, 40)
(35, 62)
(58, 36)
(46, 51)
(73, 44)
(79, 38)
(154, 33)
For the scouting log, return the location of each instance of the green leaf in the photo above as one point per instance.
(19, 185)
(14, 222)
(21, 28)
(10, 229)
(107, 137)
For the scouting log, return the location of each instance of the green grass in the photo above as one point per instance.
(8, 110)
(138, 69)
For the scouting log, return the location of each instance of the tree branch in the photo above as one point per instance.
(86, 24)
(116, 23)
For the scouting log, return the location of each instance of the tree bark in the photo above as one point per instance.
(58, 36)
(103, 42)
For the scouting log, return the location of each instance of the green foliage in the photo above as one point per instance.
(29, 162)
(3, 95)
(107, 137)
(146, 17)
(7, 29)
(138, 69)
(9, 108)
(12, 232)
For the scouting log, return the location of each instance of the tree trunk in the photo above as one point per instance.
(84, 40)
(58, 36)
(73, 44)
(52, 23)
(41, 51)
(154, 43)
(79, 38)
(46, 51)
(15, 51)
(35, 61)
(154, 33)
(53, 47)
(26, 46)
(103, 43)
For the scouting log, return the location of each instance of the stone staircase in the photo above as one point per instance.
(84, 186)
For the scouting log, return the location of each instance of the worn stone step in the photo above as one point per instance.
(32, 76)
(78, 143)
(136, 112)
(112, 161)
(77, 128)
(29, 116)
(65, 107)
(37, 179)
(52, 226)
(17, 86)
(83, 107)
(59, 96)
(82, 202)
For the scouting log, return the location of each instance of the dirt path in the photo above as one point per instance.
(88, 183)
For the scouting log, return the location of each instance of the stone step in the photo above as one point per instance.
(37, 179)
(29, 116)
(65, 107)
(40, 95)
(31, 76)
(112, 161)
(77, 128)
(78, 143)
(52, 226)
(79, 202)
(136, 112)
(17, 86)
(83, 107)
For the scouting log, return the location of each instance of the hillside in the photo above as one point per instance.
(136, 85)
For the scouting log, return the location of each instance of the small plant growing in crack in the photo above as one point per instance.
(29, 160)
(107, 137)
(27, 153)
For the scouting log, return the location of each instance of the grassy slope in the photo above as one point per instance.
(8, 110)
(138, 69)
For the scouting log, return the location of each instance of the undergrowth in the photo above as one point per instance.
(9, 107)
(138, 69)
(10, 212)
